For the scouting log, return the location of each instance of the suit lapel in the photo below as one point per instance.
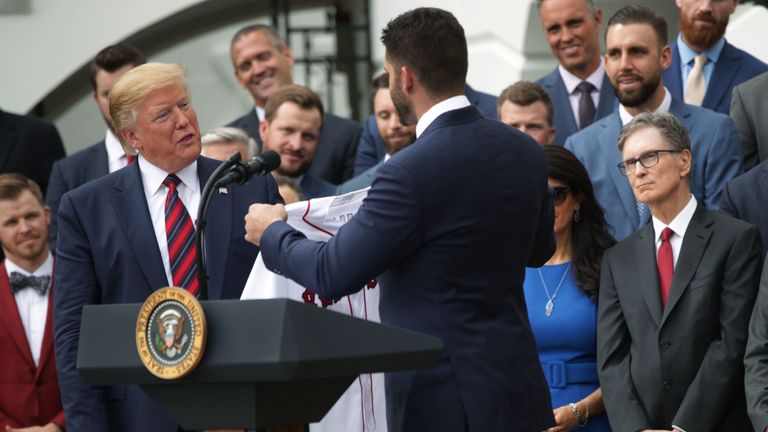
(252, 128)
(562, 97)
(673, 79)
(217, 234)
(100, 168)
(133, 215)
(607, 102)
(763, 190)
(645, 256)
(720, 82)
(608, 135)
(47, 346)
(9, 316)
(7, 140)
(694, 244)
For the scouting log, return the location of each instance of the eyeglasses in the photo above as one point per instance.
(559, 193)
(647, 160)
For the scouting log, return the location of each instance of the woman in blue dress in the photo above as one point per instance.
(562, 297)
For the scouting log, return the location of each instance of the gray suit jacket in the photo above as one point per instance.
(681, 364)
(756, 372)
(749, 111)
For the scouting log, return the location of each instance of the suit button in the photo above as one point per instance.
(665, 345)
(667, 385)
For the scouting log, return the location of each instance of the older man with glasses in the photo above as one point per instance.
(675, 297)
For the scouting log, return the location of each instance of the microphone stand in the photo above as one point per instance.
(205, 199)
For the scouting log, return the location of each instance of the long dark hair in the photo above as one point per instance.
(590, 237)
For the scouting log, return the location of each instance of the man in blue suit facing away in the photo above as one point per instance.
(705, 67)
(113, 246)
(578, 87)
(451, 255)
(636, 56)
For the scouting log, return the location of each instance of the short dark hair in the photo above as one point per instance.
(635, 14)
(590, 237)
(381, 81)
(302, 96)
(115, 57)
(12, 185)
(525, 93)
(590, 5)
(277, 40)
(431, 42)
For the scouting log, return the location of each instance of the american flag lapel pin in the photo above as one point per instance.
(223, 190)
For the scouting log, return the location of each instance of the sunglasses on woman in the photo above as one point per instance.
(559, 194)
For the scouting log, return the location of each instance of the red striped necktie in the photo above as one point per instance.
(181, 238)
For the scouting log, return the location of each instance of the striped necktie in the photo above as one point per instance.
(181, 238)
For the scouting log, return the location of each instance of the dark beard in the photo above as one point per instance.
(699, 38)
(402, 105)
(642, 96)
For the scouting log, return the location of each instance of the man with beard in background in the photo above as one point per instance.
(636, 56)
(705, 67)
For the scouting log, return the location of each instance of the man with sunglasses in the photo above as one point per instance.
(675, 297)
(636, 56)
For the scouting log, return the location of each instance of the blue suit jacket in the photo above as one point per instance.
(452, 261)
(71, 172)
(565, 123)
(716, 159)
(745, 196)
(336, 149)
(107, 253)
(360, 181)
(733, 68)
(370, 149)
(315, 187)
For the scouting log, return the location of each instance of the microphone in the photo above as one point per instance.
(257, 166)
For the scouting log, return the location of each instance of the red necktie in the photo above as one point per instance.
(129, 158)
(665, 264)
(181, 238)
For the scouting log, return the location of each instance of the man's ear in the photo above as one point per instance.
(130, 137)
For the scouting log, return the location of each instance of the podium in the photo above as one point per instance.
(267, 363)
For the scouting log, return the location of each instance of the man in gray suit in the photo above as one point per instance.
(675, 297)
(578, 86)
(394, 135)
(636, 56)
(749, 111)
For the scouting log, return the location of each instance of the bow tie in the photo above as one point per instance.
(38, 283)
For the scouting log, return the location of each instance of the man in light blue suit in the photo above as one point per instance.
(702, 26)
(636, 56)
(572, 28)
(395, 136)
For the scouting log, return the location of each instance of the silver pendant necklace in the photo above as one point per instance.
(551, 298)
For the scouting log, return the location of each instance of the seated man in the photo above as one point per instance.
(395, 136)
(29, 391)
(293, 117)
(114, 247)
(526, 106)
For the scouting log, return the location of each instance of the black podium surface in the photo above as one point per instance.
(266, 363)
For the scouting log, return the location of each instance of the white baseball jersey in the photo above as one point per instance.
(362, 407)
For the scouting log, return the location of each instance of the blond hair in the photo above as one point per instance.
(138, 83)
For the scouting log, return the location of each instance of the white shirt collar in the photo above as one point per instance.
(152, 177)
(450, 104)
(46, 269)
(626, 117)
(571, 81)
(260, 113)
(680, 223)
(114, 149)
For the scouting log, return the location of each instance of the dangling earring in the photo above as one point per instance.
(576, 215)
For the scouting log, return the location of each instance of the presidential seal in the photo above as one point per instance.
(170, 333)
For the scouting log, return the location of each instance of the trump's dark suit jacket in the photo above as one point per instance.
(72, 171)
(564, 121)
(107, 253)
(452, 261)
(734, 66)
(749, 111)
(335, 154)
(681, 364)
(29, 146)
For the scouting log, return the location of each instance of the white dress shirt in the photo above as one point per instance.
(115, 152)
(571, 81)
(678, 226)
(450, 104)
(155, 192)
(626, 117)
(33, 307)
